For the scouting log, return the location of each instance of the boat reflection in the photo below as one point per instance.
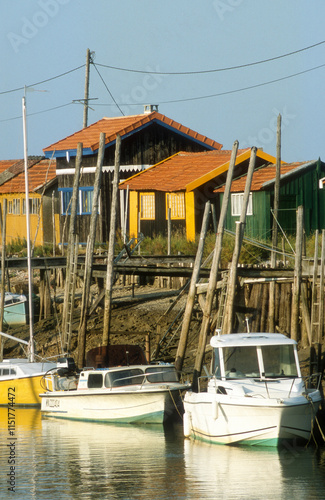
(22, 419)
(113, 461)
(250, 472)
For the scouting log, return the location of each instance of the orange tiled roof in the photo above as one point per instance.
(40, 173)
(262, 176)
(123, 126)
(186, 171)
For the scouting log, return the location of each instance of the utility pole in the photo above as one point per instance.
(86, 98)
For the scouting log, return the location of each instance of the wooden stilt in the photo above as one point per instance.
(214, 271)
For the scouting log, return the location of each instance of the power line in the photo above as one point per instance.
(36, 112)
(227, 91)
(43, 81)
(240, 66)
(110, 93)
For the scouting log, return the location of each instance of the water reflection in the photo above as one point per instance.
(252, 473)
(116, 461)
(62, 459)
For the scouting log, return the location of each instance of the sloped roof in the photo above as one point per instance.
(264, 177)
(187, 171)
(124, 126)
(40, 173)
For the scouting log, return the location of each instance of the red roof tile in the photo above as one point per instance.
(261, 176)
(123, 125)
(186, 171)
(39, 174)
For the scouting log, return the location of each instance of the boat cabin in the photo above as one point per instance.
(126, 376)
(257, 355)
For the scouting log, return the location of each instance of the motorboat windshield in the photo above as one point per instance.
(268, 361)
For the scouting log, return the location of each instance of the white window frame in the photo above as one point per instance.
(237, 204)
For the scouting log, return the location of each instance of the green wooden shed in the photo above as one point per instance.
(301, 183)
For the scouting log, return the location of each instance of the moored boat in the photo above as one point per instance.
(20, 381)
(15, 309)
(124, 394)
(255, 393)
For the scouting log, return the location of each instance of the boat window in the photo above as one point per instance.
(13, 371)
(5, 371)
(161, 374)
(216, 363)
(124, 377)
(279, 361)
(241, 362)
(95, 380)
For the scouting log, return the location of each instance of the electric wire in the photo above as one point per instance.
(43, 81)
(36, 112)
(209, 96)
(110, 93)
(240, 66)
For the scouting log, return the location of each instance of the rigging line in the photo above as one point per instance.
(228, 91)
(212, 70)
(37, 112)
(43, 81)
(110, 93)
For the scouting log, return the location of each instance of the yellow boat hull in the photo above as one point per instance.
(21, 391)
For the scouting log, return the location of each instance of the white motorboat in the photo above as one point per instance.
(124, 394)
(255, 393)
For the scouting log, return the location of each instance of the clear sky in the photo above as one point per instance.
(43, 39)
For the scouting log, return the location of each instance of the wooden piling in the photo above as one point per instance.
(192, 291)
(240, 227)
(214, 271)
(275, 226)
(84, 313)
(321, 292)
(297, 276)
(111, 246)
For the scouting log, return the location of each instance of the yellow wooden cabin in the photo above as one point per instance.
(182, 183)
(44, 224)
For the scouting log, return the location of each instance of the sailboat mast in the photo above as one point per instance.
(30, 304)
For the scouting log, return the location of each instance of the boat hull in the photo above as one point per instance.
(154, 406)
(260, 422)
(15, 314)
(23, 391)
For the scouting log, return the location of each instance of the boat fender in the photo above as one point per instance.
(215, 409)
(186, 425)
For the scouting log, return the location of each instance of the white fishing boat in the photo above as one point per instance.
(255, 393)
(125, 394)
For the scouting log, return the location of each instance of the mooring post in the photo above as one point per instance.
(89, 254)
(297, 276)
(214, 271)
(275, 226)
(111, 245)
(240, 228)
(192, 290)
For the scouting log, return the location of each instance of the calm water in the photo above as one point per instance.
(63, 460)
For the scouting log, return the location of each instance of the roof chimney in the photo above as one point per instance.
(149, 108)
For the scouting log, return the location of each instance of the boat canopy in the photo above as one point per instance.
(250, 339)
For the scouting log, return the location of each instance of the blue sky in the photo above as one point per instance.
(43, 39)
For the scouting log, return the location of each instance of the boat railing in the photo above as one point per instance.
(312, 381)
